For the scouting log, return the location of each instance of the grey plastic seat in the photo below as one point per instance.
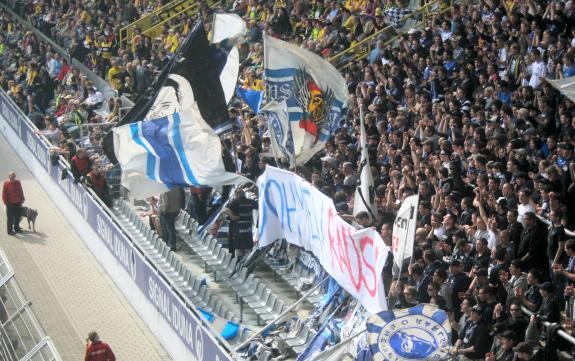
(250, 293)
(214, 254)
(277, 310)
(265, 356)
(226, 265)
(227, 270)
(221, 262)
(294, 332)
(249, 283)
(200, 296)
(238, 278)
(300, 339)
(267, 307)
(207, 248)
(256, 301)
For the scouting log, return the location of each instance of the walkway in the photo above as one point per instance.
(70, 292)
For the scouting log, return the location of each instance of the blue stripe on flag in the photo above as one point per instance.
(177, 138)
(156, 133)
(439, 316)
(151, 158)
(280, 73)
(387, 316)
(417, 310)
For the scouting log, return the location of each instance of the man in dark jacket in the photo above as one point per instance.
(514, 228)
(532, 248)
(549, 310)
(476, 342)
(459, 284)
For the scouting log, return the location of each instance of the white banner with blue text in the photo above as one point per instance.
(291, 208)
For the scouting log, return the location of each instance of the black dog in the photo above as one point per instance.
(31, 215)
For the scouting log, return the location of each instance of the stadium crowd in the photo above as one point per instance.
(458, 111)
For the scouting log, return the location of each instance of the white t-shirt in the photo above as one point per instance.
(537, 71)
(522, 209)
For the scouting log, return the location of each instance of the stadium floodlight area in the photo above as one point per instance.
(21, 336)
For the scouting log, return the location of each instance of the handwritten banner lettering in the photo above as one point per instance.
(293, 209)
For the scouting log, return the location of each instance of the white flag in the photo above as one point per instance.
(314, 91)
(363, 201)
(229, 26)
(280, 134)
(403, 236)
(173, 151)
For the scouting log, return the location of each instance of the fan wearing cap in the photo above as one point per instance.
(459, 283)
(565, 155)
(476, 341)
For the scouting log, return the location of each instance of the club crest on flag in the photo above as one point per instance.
(421, 332)
(315, 102)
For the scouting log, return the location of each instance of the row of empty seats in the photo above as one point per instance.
(249, 290)
(298, 277)
(179, 276)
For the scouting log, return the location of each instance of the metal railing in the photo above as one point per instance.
(21, 336)
(389, 34)
(144, 22)
(156, 29)
(151, 24)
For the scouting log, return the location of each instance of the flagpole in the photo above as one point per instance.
(289, 309)
(335, 348)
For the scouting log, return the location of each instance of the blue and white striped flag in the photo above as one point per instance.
(314, 90)
(172, 151)
(169, 138)
(422, 332)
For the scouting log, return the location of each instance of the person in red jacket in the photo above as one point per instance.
(97, 350)
(81, 164)
(13, 197)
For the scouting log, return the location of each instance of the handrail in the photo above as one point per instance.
(568, 232)
(148, 23)
(567, 337)
(144, 18)
(183, 297)
(193, 7)
(154, 27)
(370, 39)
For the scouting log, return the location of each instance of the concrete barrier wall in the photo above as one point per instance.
(165, 313)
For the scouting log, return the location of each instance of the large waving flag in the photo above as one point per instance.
(364, 192)
(177, 150)
(193, 67)
(227, 31)
(279, 127)
(168, 139)
(314, 90)
(422, 332)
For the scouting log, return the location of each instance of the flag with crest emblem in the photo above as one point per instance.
(314, 91)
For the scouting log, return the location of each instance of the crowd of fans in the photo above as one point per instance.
(458, 111)
(59, 100)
